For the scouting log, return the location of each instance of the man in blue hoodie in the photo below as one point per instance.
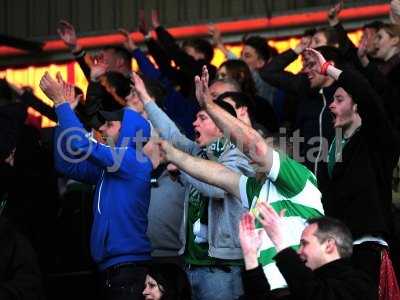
(121, 173)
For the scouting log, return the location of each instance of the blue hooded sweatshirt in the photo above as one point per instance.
(122, 178)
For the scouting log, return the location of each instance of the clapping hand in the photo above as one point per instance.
(272, 224)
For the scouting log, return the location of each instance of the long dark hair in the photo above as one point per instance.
(238, 70)
(172, 281)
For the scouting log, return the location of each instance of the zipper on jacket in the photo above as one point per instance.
(320, 132)
(98, 195)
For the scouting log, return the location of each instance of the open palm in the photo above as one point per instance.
(249, 237)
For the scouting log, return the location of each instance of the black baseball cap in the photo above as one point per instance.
(116, 115)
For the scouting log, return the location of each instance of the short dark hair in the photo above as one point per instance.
(240, 99)
(120, 82)
(201, 45)
(121, 52)
(310, 31)
(260, 45)
(330, 34)
(155, 89)
(374, 25)
(226, 106)
(335, 229)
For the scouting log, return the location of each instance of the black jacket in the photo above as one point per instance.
(335, 280)
(19, 272)
(359, 192)
(188, 66)
(311, 103)
(385, 79)
(97, 97)
(383, 76)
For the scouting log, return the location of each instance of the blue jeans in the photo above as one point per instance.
(212, 283)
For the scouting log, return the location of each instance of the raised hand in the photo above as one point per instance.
(318, 57)
(53, 89)
(202, 92)
(215, 34)
(142, 25)
(333, 13)
(67, 33)
(140, 88)
(69, 92)
(250, 240)
(128, 43)
(362, 48)
(155, 22)
(272, 224)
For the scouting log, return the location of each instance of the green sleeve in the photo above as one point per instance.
(289, 176)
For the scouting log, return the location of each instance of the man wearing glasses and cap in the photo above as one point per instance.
(121, 173)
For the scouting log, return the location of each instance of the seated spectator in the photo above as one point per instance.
(322, 268)
(166, 282)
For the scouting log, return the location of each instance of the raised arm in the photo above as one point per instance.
(215, 33)
(334, 21)
(101, 155)
(255, 284)
(204, 170)
(369, 104)
(246, 138)
(67, 33)
(186, 63)
(274, 72)
(163, 124)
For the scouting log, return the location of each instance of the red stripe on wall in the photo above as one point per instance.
(71, 72)
(304, 19)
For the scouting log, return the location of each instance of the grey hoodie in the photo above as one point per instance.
(224, 210)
